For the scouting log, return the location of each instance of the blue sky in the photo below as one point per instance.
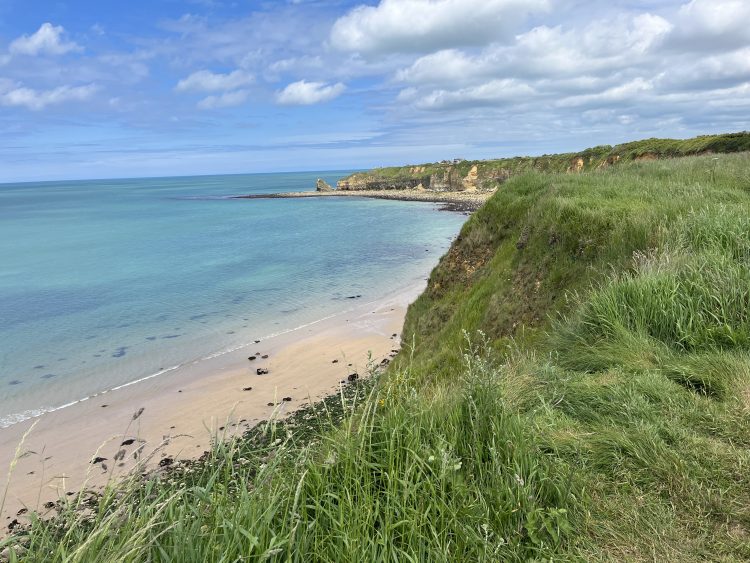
(92, 89)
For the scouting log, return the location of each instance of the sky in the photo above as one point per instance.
(93, 89)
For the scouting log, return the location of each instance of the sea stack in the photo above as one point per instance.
(322, 186)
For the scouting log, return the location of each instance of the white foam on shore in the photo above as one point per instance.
(17, 418)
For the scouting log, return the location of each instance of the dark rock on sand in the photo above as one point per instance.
(287, 399)
(353, 377)
(335, 362)
(270, 404)
(98, 460)
(128, 442)
(261, 371)
(264, 356)
(166, 462)
(247, 388)
(252, 358)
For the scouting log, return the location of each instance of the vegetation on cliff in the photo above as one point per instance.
(488, 174)
(575, 385)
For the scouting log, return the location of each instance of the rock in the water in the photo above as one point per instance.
(322, 186)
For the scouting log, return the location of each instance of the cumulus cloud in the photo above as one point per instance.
(225, 100)
(305, 93)
(546, 52)
(628, 91)
(47, 40)
(207, 81)
(713, 24)
(40, 99)
(493, 93)
(427, 25)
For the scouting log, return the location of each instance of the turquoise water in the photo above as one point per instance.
(106, 282)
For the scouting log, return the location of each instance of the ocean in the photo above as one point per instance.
(106, 282)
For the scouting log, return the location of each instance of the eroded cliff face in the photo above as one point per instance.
(446, 179)
(357, 182)
(486, 175)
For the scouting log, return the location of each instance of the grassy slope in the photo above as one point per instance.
(604, 414)
(620, 304)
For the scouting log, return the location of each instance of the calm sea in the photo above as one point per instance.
(105, 282)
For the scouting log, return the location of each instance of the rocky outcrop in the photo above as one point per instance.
(445, 178)
(576, 166)
(358, 182)
(470, 181)
(446, 181)
(322, 186)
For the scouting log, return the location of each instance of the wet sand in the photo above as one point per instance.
(184, 410)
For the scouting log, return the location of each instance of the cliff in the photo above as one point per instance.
(487, 175)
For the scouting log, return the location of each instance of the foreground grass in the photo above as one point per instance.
(576, 387)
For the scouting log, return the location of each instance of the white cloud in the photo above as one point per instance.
(47, 40)
(624, 92)
(495, 93)
(714, 23)
(305, 93)
(207, 81)
(428, 25)
(40, 99)
(225, 100)
(547, 53)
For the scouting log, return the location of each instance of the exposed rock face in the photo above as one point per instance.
(470, 181)
(322, 186)
(576, 165)
(611, 160)
(447, 181)
(366, 182)
(447, 178)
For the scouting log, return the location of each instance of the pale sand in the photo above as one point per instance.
(183, 409)
(451, 201)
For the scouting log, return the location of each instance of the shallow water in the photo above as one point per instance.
(105, 282)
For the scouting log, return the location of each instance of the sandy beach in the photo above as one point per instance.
(466, 201)
(181, 412)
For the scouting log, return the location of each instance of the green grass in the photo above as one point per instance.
(575, 386)
(494, 171)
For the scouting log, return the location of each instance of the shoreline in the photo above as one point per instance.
(183, 411)
(466, 201)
